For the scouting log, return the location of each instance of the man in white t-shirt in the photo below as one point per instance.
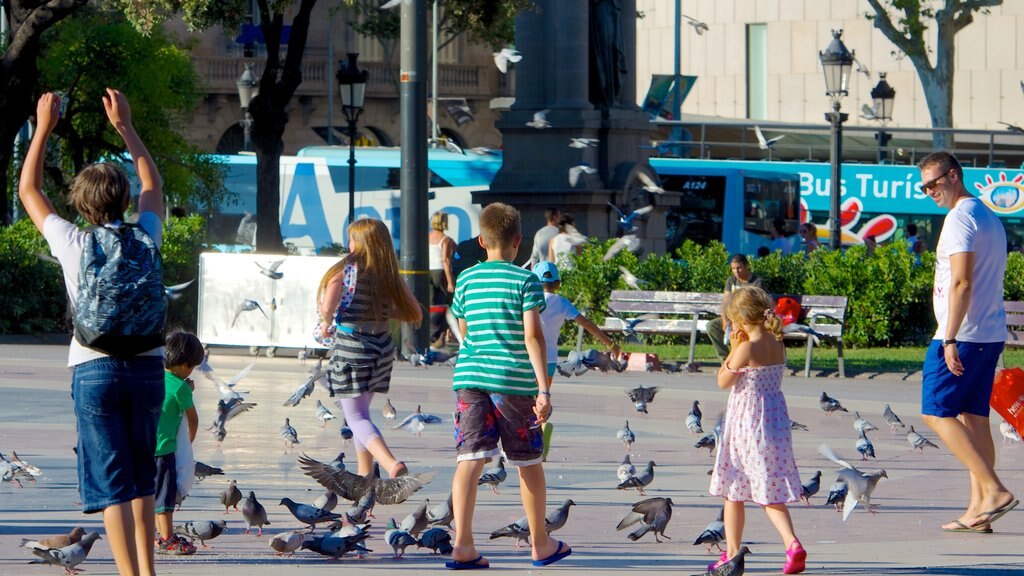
(960, 365)
(543, 237)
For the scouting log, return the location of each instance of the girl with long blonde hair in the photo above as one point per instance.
(356, 299)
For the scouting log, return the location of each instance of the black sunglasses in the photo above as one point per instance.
(927, 186)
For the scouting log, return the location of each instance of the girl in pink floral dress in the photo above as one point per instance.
(755, 449)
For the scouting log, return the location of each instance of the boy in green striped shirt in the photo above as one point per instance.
(501, 384)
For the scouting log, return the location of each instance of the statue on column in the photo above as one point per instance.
(607, 53)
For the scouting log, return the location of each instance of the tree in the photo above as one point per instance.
(905, 23)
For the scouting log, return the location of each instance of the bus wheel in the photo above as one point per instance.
(271, 351)
(254, 350)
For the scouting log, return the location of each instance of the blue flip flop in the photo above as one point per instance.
(558, 555)
(471, 565)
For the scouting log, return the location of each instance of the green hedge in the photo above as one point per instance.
(889, 293)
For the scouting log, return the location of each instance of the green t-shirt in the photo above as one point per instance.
(177, 399)
(492, 297)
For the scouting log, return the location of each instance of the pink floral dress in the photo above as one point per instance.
(755, 459)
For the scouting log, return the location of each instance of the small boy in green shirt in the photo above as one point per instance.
(182, 353)
(501, 385)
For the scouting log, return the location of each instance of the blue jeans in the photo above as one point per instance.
(117, 407)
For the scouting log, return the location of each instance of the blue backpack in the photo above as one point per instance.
(121, 306)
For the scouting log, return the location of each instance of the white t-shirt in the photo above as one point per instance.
(558, 310)
(972, 227)
(564, 250)
(66, 243)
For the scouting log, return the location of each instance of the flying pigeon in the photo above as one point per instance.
(625, 221)
(390, 4)
(175, 292)
(631, 280)
(581, 143)
(576, 171)
(830, 405)
(67, 557)
(540, 120)
(860, 485)
(416, 421)
(698, 26)
(652, 514)
(918, 441)
(764, 144)
(625, 470)
(892, 419)
(230, 497)
(506, 55)
(714, 534)
(353, 487)
(641, 397)
(254, 513)
(323, 414)
(287, 542)
(495, 476)
(247, 306)
(626, 436)
(304, 389)
(810, 488)
(628, 242)
(862, 425)
(202, 531)
(641, 480)
(649, 184)
(271, 270)
(693, 423)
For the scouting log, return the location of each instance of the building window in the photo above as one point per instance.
(757, 71)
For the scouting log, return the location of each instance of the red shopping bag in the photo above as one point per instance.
(788, 310)
(1008, 397)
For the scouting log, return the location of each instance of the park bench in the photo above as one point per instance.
(1014, 325)
(678, 313)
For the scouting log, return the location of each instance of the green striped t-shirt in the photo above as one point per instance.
(492, 297)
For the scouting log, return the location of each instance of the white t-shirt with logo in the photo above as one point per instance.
(558, 310)
(972, 227)
(66, 242)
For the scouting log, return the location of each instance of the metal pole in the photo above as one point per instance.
(351, 167)
(677, 130)
(330, 78)
(836, 119)
(434, 128)
(413, 261)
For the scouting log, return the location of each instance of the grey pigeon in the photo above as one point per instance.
(860, 485)
(626, 436)
(810, 488)
(202, 531)
(709, 441)
(442, 514)
(291, 437)
(693, 423)
(60, 541)
(415, 522)
(345, 431)
(67, 557)
(734, 567)
(228, 409)
(652, 514)
(205, 470)
(830, 405)
(323, 414)
(389, 411)
(353, 487)
(636, 284)
(794, 425)
(33, 471)
(308, 515)
(519, 530)
(254, 513)
(641, 397)
(337, 547)
(398, 539)
(327, 501)
(359, 511)
(438, 540)
(860, 424)
(892, 419)
(417, 421)
(271, 270)
(557, 518)
(495, 476)
(626, 469)
(247, 306)
(304, 389)
(287, 542)
(346, 527)
(231, 496)
(918, 441)
(714, 534)
(864, 446)
(641, 480)
(837, 494)
(339, 461)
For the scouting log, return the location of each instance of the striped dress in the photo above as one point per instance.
(492, 297)
(363, 353)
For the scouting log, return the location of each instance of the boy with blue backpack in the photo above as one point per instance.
(112, 272)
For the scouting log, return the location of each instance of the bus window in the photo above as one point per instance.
(699, 215)
(768, 198)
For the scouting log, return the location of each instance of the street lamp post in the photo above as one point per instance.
(883, 95)
(352, 82)
(836, 61)
(247, 89)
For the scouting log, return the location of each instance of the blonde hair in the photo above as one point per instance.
(499, 225)
(752, 306)
(439, 221)
(372, 250)
(100, 193)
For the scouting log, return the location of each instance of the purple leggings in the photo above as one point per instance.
(357, 416)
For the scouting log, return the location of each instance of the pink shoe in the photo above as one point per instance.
(796, 558)
(721, 560)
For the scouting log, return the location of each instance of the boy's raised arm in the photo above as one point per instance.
(151, 197)
(30, 187)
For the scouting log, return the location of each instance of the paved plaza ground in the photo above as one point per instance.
(922, 492)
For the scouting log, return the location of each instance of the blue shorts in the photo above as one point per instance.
(552, 367)
(166, 483)
(117, 407)
(945, 395)
(482, 419)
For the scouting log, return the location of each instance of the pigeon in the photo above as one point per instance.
(228, 409)
(398, 539)
(794, 425)
(360, 511)
(415, 523)
(339, 461)
(733, 567)
(327, 501)
(345, 431)
(346, 527)
(641, 480)
(810, 488)
(271, 270)
(254, 513)
(323, 414)
(649, 184)
(837, 494)
(175, 292)
(626, 436)
(652, 514)
(204, 470)
(892, 419)
(390, 4)
(698, 26)
(641, 397)
(626, 220)
(32, 471)
(438, 540)
(764, 144)
(305, 389)
(869, 112)
(495, 476)
(582, 143)
(307, 514)
(626, 469)
(226, 389)
(291, 437)
(918, 441)
(714, 534)
(247, 306)
(630, 242)
(219, 431)
(202, 531)
(389, 411)
(862, 425)
(287, 542)
(230, 497)
(693, 419)
(830, 405)
(354, 487)
(1009, 433)
(417, 421)
(557, 518)
(864, 446)
(441, 514)
(60, 541)
(860, 485)
(576, 171)
(506, 55)
(11, 472)
(1012, 128)
(67, 557)
(337, 547)
(540, 120)
(709, 441)
(519, 530)
(861, 68)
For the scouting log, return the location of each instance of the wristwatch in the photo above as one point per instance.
(948, 342)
